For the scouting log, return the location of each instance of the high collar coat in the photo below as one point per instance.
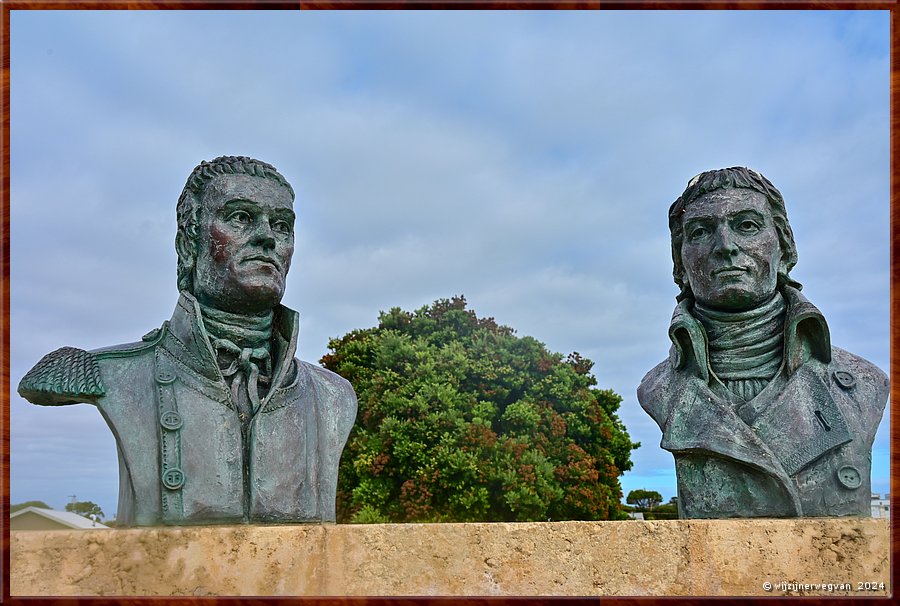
(802, 447)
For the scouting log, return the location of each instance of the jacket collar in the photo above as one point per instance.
(806, 335)
(189, 341)
(784, 437)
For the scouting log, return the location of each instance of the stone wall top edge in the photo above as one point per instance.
(229, 528)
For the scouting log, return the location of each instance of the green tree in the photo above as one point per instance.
(644, 499)
(461, 420)
(18, 506)
(87, 509)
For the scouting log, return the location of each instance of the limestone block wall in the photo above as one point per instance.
(628, 558)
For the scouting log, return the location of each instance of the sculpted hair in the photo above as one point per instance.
(725, 178)
(188, 209)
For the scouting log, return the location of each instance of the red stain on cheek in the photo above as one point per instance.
(218, 244)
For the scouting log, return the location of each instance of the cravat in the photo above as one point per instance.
(245, 367)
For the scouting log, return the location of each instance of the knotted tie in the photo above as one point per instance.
(245, 366)
(242, 345)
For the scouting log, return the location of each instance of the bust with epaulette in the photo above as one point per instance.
(214, 418)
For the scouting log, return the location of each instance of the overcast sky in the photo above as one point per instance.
(525, 160)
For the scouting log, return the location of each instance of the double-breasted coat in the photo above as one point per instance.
(186, 456)
(802, 447)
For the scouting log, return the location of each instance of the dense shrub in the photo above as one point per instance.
(461, 420)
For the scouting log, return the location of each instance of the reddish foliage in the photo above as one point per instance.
(415, 498)
(379, 463)
(526, 474)
(479, 436)
(557, 425)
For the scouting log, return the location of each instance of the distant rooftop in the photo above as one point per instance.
(66, 518)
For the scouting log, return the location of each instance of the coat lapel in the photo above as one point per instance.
(703, 421)
(803, 422)
(287, 330)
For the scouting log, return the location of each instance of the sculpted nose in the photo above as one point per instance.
(725, 245)
(263, 235)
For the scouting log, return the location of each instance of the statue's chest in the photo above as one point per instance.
(217, 464)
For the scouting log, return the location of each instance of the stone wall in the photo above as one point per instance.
(679, 557)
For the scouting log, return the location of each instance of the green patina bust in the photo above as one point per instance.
(763, 416)
(215, 420)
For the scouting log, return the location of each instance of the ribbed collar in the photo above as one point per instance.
(242, 330)
(806, 335)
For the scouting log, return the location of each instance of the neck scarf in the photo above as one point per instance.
(243, 347)
(745, 348)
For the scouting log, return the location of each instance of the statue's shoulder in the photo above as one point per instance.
(339, 387)
(65, 376)
(338, 395)
(864, 382)
(654, 392)
(71, 375)
(856, 364)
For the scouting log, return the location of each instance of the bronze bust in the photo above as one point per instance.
(215, 420)
(763, 416)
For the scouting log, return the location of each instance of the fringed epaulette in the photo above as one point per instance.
(65, 376)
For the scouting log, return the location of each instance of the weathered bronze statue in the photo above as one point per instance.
(763, 416)
(215, 420)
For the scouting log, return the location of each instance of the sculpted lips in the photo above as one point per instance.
(729, 271)
(263, 258)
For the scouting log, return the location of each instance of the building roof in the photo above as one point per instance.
(66, 518)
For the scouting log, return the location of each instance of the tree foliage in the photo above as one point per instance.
(461, 420)
(87, 509)
(643, 499)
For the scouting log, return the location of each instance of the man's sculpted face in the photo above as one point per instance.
(245, 244)
(731, 252)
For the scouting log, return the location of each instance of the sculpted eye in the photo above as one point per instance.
(240, 218)
(282, 227)
(748, 227)
(697, 232)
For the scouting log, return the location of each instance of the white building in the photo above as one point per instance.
(881, 508)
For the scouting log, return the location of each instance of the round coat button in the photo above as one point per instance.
(173, 478)
(844, 379)
(170, 419)
(165, 377)
(849, 477)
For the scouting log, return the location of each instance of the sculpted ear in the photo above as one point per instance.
(184, 247)
(784, 263)
(685, 282)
